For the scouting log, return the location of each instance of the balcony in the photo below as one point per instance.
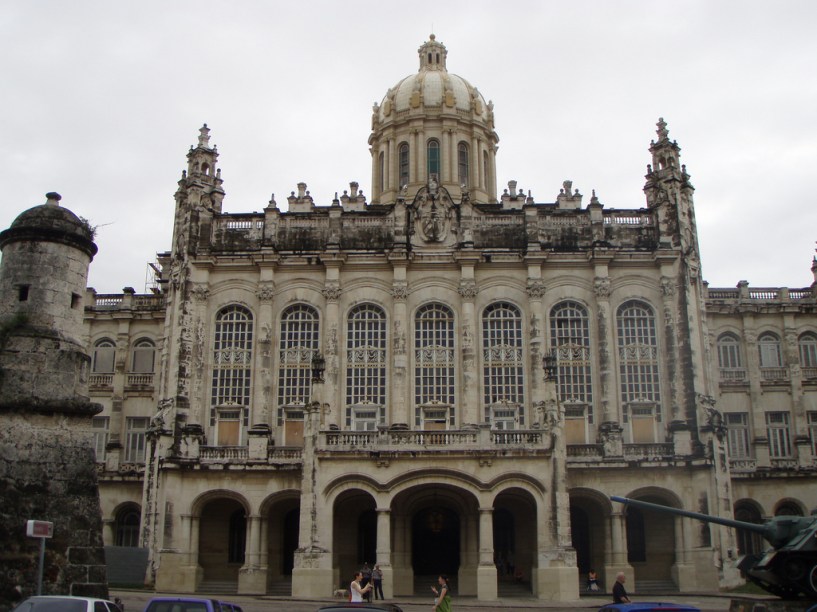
(139, 380)
(774, 375)
(100, 380)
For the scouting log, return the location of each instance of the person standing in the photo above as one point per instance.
(356, 591)
(442, 601)
(619, 592)
(367, 580)
(377, 580)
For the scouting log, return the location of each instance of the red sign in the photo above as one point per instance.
(39, 529)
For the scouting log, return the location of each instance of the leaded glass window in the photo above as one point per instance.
(502, 353)
(570, 338)
(232, 359)
(433, 159)
(638, 353)
(366, 364)
(299, 342)
(434, 358)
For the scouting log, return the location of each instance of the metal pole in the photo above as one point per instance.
(42, 561)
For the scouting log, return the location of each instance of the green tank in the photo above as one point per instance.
(788, 569)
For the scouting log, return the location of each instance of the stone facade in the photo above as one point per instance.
(312, 388)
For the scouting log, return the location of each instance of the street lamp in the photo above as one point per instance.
(549, 364)
(318, 367)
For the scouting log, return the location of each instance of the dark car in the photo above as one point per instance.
(65, 603)
(649, 606)
(347, 606)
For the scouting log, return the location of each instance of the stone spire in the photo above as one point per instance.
(432, 54)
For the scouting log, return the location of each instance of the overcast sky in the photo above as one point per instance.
(101, 101)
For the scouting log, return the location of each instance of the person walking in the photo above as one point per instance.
(377, 580)
(619, 592)
(442, 600)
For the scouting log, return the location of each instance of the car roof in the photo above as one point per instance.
(360, 606)
(646, 606)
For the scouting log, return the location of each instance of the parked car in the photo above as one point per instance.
(190, 604)
(65, 603)
(649, 606)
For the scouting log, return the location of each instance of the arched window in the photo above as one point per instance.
(434, 361)
(730, 360)
(104, 352)
(768, 345)
(485, 166)
(503, 371)
(299, 342)
(232, 359)
(433, 158)
(381, 162)
(462, 164)
(749, 542)
(808, 354)
(403, 165)
(788, 508)
(142, 358)
(570, 337)
(126, 527)
(638, 370)
(366, 367)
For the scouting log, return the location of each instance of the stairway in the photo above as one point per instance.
(654, 587)
(282, 588)
(218, 587)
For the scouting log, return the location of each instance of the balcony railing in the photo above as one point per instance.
(140, 380)
(774, 374)
(100, 380)
(657, 450)
(732, 375)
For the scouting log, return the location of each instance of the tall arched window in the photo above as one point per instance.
(381, 163)
(434, 362)
(403, 169)
(749, 542)
(808, 354)
(570, 338)
(485, 165)
(232, 359)
(730, 360)
(433, 158)
(299, 342)
(142, 359)
(126, 527)
(104, 351)
(638, 370)
(366, 367)
(771, 357)
(503, 371)
(462, 163)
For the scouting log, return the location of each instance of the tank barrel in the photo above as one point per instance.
(763, 530)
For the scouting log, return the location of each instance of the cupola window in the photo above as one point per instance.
(404, 165)
(433, 158)
(462, 164)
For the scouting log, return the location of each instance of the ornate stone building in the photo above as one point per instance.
(311, 388)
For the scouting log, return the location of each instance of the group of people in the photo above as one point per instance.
(368, 580)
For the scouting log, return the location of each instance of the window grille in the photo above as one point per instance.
(502, 346)
(570, 338)
(232, 359)
(299, 342)
(366, 359)
(433, 159)
(434, 357)
(638, 354)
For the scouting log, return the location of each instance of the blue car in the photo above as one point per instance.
(648, 606)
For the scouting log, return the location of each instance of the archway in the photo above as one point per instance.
(435, 542)
(283, 514)
(651, 540)
(515, 535)
(222, 539)
(354, 533)
(589, 518)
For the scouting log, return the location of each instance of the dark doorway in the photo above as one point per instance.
(435, 542)
(290, 540)
(367, 537)
(580, 533)
(504, 541)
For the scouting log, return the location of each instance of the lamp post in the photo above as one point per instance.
(318, 367)
(550, 366)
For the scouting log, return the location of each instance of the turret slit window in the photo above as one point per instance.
(638, 370)
(404, 165)
(570, 339)
(808, 355)
(737, 427)
(299, 342)
(462, 164)
(433, 158)
(232, 361)
(503, 371)
(779, 434)
(730, 360)
(434, 363)
(366, 367)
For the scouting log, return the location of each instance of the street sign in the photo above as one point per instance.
(39, 529)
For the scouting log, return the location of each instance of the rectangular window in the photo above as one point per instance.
(135, 428)
(100, 429)
(737, 426)
(777, 430)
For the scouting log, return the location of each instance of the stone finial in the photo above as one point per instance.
(204, 136)
(662, 129)
(301, 190)
(52, 198)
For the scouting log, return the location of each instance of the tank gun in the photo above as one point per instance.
(788, 569)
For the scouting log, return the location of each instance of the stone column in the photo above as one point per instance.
(473, 161)
(469, 399)
(536, 292)
(618, 557)
(251, 577)
(383, 550)
(445, 154)
(400, 398)
(263, 400)
(486, 570)
(331, 334)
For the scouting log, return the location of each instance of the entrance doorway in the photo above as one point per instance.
(435, 542)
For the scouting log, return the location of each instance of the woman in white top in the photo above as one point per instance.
(356, 593)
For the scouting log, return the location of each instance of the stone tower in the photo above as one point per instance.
(47, 465)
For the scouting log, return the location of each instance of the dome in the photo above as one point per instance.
(51, 222)
(433, 87)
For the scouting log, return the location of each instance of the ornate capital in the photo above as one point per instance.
(601, 287)
(536, 288)
(331, 292)
(200, 292)
(265, 292)
(468, 289)
(667, 286)
(399, 291)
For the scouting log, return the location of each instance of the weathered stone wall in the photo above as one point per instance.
(47, 472)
